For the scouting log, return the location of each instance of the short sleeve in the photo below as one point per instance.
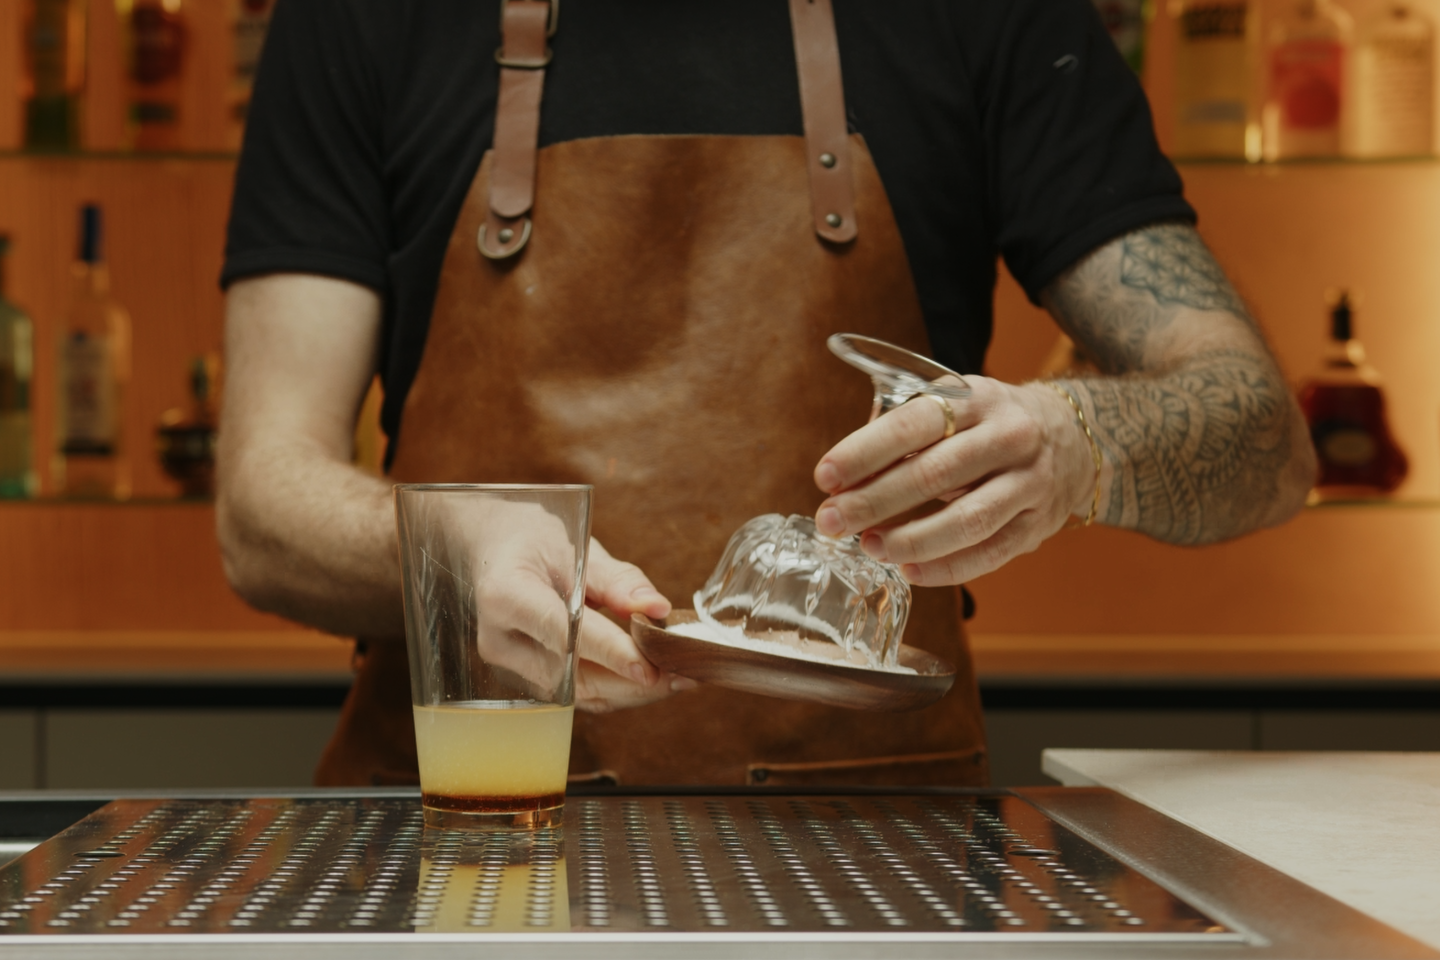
(309, 189)
(1074, 160)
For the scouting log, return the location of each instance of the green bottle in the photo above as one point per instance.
(17, 365)
(55, 66)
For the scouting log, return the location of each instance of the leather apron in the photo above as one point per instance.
(648, 314)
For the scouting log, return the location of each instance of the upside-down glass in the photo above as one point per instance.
(781, 574)
(494, 586)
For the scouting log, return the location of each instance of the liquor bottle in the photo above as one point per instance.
(1394, 84)
(94, 370)
(1305, 81)
(54, 32)
(185, 442)
(1125, 21)
(156, 66)
(1214, 80)
(249, 20)
(17, 364)
(1345, 408)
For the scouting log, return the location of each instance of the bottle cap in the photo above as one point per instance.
(1341, 327)
(91, 248)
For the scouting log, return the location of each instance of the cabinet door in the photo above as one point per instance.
(1018, 736)
(1350, 730)
(138, 749)
(17, 750)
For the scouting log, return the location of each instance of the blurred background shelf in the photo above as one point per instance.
(117, 156)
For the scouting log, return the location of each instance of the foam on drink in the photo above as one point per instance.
(493, 756)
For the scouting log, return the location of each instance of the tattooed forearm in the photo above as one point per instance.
(1198, 454)
(1196, 423)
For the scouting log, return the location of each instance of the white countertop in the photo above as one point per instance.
(1361, 827)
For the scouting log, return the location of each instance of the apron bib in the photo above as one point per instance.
(657, 328)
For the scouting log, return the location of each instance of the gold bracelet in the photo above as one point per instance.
(1094, 447)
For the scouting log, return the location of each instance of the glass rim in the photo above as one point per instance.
(880, 358)
(492, 487)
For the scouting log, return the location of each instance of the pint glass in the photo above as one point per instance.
(494, 585)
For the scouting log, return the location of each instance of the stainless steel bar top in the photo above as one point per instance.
(1046, 873)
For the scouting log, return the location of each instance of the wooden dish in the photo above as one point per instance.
(790, 678)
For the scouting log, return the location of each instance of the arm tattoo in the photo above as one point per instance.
(1172, 265)
(1199, 453)
(1201, 445)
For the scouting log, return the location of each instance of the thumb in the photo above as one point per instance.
(621, 587)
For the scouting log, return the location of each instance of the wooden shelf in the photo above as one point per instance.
(128, 656)
(112, 156)
(1237, 658)
(1304, 162)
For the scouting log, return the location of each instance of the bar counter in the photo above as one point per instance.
(1082, 871)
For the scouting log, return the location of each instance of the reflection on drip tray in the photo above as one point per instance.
(944, 863)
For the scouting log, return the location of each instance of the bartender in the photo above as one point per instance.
(608, 248)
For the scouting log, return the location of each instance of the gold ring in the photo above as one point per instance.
(945, 406)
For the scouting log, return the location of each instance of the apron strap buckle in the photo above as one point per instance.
(525, 26)
(822, 101)
(508, 239)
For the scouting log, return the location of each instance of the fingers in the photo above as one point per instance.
(1022, 535)
(621, 587)
(906, 429)
(522, 626)
(604, 643)
(598, 690)
(521, 602)
(963, 523)
(932, 474)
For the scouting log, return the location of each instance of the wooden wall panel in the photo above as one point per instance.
(1329, 571)
(116, 567)
(10, 73)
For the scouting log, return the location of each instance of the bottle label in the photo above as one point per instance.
(16, 362)
(1394, 76)
(159, 38)
(1216, 21)
(1305, 80)
(48, 46)
(88, 381)
(14, 396)
(1344, 444)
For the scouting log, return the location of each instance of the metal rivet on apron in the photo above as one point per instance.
(834, 219)
(827, 159)
(505, 235)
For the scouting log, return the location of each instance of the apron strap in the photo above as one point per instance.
(822, 101)
(525, 26)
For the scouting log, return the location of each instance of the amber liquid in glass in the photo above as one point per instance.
(498, 761)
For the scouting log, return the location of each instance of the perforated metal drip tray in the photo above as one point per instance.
(644, 863)
(948, 867)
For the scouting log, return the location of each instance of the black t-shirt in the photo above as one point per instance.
(1007, 127)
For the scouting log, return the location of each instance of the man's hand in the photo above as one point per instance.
(613, 672)
(521, 565)
(1016, 467)
(1199, 436)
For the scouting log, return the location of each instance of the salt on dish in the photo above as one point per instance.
(713, 631)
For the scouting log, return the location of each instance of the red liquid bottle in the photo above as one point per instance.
(1345, 408)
